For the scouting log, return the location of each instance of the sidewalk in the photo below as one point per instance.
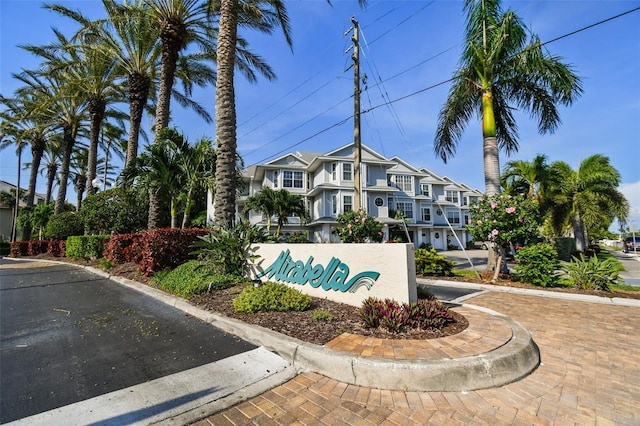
(589, 374)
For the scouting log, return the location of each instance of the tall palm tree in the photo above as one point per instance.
(93, 71)
(584, 198)
(501, 71)
(262, 15)
(529, 178)
(78, 172)
(22, 122)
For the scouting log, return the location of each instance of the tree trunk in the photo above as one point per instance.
(225, 196)
(579, 232)
(37, 148)
(168, 63)
(16, 205)
(138, 96)
(69, 142)
(52, 170)
(96, 112)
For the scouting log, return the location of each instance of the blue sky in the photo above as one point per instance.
(406, 47)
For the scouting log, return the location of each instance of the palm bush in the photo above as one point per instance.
(591, 274)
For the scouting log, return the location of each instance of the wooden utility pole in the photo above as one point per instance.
(357, 142)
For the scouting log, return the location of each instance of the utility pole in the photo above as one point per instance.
(357, 142)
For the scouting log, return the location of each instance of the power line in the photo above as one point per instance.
(417, 92)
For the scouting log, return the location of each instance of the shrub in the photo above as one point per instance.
(537, 264)
(429, 262)
(165, 248)
(322, 315)
(63, 225)
(37, 247)
(271, 297)
(228, 250)
(390, 315)
(57, 248)
(298, 238)
(358, 227)
(19, 248)
(117, 210)
(124, 248)
(86, 246)
(193, 278)
(5, 247)
(592, 274)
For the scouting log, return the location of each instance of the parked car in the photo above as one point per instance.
(631, 244)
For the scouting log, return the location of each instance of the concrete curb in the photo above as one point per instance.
(508, 363)
(619, 301)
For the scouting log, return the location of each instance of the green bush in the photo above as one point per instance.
(86, 246)
(298, 238)
(322, 315)
(429, 262)
(229, 250)
(193, 278)
(271, 297)
(63, 225)
(117, 210)
(537, 264)
(591, 274)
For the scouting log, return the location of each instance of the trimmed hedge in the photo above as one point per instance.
(166, 248)
(86, 246)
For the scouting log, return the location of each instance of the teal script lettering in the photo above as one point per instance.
(334, 276)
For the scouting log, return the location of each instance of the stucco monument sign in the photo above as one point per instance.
(345, 273)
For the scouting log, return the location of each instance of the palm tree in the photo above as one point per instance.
(287, 205)
(52, 156)
(198, 167)
(501, 71)
(158, 168)
(78, 173)
(265, 16)
(263, 202)
(527, 178)
(22, 122)
(584, 198)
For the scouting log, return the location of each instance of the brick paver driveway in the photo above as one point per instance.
(589, 374)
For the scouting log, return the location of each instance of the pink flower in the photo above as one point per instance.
(495, 232)
(479, 222)
(510, 210)
(493, 205)
(349, 226)
(363, 220)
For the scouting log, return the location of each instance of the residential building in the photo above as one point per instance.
(7, 211)
(435, 209)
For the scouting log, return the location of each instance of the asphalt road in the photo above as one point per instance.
(67, 335)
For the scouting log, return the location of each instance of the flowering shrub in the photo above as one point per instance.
(358, 227)
(395, 317)
(502, 218)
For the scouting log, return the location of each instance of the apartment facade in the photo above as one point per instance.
(435, 209)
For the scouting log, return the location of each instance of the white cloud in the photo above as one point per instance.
(632, 192)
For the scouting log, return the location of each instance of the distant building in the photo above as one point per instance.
(436, 208)
(6, 211)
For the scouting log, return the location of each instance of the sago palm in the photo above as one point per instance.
(501, 70)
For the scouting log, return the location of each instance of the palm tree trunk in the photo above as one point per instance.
(16, 205)
(138, 96)
(167, 76)
(69, 142)
(187, 208)
(490, 152)
(155, 215)
(96, 111)
(225, 196)
(37, 148)
(52, 170)
(579, 232)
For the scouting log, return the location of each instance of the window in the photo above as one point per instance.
(334, 171)
(275, 179)
(451, 196)
(334, 204)
(426, 214)
(347, 171)
(465, 201)
(347, 203)
(291, 179)
(403, 182)
(378, 201)
(424, 189)
(453, 217)
(405, 208)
